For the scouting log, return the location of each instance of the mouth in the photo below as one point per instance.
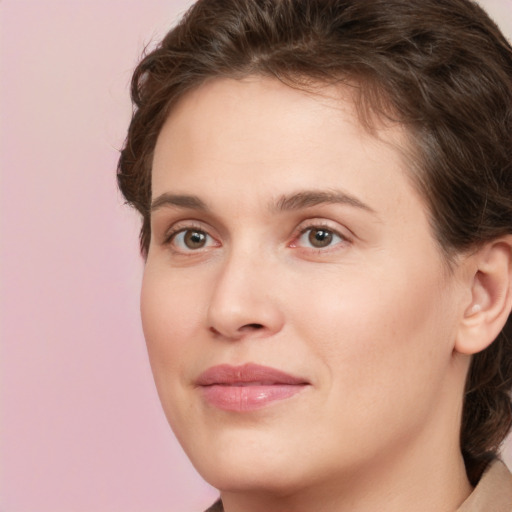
(247, 387)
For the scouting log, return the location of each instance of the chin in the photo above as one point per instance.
(269, 476)
(249, 463)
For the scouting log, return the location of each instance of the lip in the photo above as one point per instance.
(247, 387)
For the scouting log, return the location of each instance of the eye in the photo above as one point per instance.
(318, 237)
(191, 240)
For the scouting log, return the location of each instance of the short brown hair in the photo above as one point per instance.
(440, 67)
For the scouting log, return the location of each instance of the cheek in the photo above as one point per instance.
(379, 331)
(385, 353)
(170, 318)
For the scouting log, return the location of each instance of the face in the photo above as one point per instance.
(297, 311)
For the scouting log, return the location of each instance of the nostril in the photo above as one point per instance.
(251, 327)
(237, 333)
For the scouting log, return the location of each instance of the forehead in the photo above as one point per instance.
(244, 143)
(259, 121)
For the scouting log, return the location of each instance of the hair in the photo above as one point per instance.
(442, 68)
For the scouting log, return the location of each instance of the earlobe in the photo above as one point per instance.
(491, 297)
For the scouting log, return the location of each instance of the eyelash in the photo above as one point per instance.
(319, 226)
(171, 236)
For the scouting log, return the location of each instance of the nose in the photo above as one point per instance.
(245, 301)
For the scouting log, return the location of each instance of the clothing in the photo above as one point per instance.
(216, 507)
(493, 492)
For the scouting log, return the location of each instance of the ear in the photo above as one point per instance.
(491, 296)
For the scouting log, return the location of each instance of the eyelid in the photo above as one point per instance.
(188, 225)
(343, 233)
(179, 226)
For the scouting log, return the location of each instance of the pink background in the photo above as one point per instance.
(81, 427)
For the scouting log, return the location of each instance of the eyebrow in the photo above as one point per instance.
(309, 198)
(182, 201)
(289, 202)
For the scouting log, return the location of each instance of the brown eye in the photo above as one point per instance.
(191, 240)
(319, 237)
(194, 239)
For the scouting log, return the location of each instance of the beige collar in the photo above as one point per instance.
(493, 492)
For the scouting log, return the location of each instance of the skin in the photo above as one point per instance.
(371, 320)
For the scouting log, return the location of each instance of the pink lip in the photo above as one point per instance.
(247, 387)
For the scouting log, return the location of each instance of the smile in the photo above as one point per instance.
(247, 387)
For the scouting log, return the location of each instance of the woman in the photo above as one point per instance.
(326, 196)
